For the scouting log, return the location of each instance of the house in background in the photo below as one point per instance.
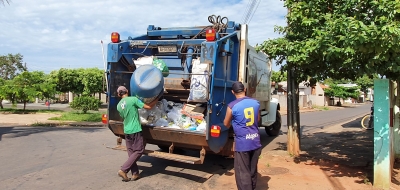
(309, 96)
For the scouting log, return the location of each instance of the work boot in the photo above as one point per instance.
(135, 177)
(123, 175)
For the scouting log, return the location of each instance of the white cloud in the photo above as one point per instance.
(52, 34)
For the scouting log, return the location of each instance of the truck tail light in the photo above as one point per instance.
(210, 35)
(115, 37)
(215, 130)
(104, 118)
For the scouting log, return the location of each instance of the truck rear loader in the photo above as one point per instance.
(223, 47)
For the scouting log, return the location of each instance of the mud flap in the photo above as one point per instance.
(217, 143)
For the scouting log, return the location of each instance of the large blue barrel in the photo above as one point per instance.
(147, 81)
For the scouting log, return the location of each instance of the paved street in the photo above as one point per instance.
(77, 158)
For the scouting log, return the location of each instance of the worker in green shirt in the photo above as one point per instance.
(128, 110)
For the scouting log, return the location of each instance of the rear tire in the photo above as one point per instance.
(275, 128)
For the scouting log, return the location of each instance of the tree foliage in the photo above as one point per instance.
(79, 81)
(10, 66)
(365, 82)
(339, 39)
(85, 103)
(342, 92)
(27, 86)
(278, 76)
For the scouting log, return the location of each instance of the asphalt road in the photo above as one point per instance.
(77, 158)
(312, 122)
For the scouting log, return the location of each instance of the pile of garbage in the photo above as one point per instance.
(173, 115)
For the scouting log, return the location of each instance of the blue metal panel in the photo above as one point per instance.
(156, 31)
(114, 51)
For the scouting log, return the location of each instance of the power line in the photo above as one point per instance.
(255, 9)
(246, 11)
(250, 10)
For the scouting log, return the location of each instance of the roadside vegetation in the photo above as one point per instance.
(90, 116)
(21, 111)
(94, 116)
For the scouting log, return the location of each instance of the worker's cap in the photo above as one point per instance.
(122, 89)
(238, 87)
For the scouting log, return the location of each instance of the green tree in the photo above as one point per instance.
(68, 80)
(337, 39)
(79, 81)
(27, 86)
(342, 92)
(47, 89)
(92, 80)
(10, 66)
(85, 103)
(278, 76)
(366, 82)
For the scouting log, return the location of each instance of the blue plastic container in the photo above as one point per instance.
(147, 81)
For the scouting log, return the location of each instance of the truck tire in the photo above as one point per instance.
(275, 128)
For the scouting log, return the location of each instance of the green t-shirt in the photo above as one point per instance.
(128, 110)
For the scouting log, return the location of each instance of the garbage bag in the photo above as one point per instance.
(199, 82)
(160, 64)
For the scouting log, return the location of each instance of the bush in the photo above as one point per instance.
(85, 103)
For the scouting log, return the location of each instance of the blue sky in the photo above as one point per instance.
(53, 34)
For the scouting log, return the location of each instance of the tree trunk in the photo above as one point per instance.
(1, 104)
(293, 134)
(24, 105)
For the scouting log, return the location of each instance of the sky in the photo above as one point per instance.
(54, 34)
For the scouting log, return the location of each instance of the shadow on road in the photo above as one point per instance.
(20, 131)
(213, 165)
(346, 151)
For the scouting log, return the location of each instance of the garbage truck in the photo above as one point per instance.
(200, 64)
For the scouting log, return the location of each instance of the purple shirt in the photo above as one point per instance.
(245, 123)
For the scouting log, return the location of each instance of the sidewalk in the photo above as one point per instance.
(339, 158)
(41, 119)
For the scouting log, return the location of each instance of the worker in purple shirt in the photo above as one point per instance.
(244, 115)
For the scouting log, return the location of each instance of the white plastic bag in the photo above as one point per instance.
(161, 122)
(148, 60)
(199, 82)
(202, 126)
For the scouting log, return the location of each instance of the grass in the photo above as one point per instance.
(27, 111)
(321, 107)
(79, 116)
(92, 116)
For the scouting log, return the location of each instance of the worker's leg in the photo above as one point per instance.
(242, 171)
(138, 149)
(255, 154)
(129, 148)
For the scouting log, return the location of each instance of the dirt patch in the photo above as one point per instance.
(27, 119)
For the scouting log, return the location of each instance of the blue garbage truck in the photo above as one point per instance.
(201, 63)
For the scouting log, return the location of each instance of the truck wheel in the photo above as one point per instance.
(275, 128)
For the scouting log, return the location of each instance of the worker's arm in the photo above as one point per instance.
(150, 105)
(228, 117)
(259, 116)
